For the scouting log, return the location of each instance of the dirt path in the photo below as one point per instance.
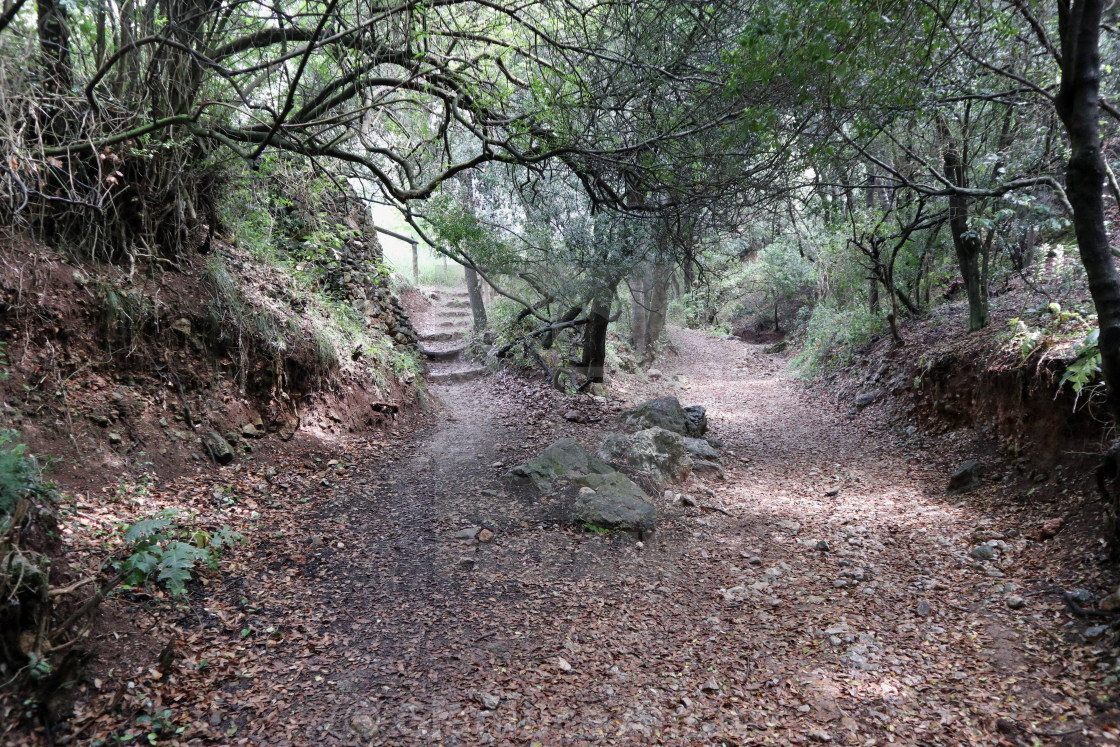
(718, 630)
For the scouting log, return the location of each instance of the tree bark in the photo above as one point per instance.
(967, 243)
(478, 308)
(54, 45)
(594, 359)
(1078, 105)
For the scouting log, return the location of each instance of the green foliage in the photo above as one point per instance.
(162, 550)
(1085, 369)
(831, 335)
(20, 473)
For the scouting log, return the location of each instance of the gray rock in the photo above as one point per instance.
(1016, 602)
(250, 431)
(115, 439)
(823, 546)
(715, 443)
(489, 701)
(217, 447)
(923, 609)
(1084, 597)
(701, 449)
(755, 560)
(362, 724)
(667, 413)
(656, 450)
(983, 552)
(1096, 632)
(866, 399)
(565, 458)
(614, 502)
(468, 534)
(966, 477)
(704, 467)
(467, 564)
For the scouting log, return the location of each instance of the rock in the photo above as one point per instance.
(983, 552)
(654, 374)
(966, 477)
(711, 686)
(598, 389)
(217, 447)
(923, 609)
(575, 416)
(866, 399)
(489, 701)
(823, 546)
(704, 467)
(832, 492)
(715, 443)
(466, 564)
(755, 560)
(1084, 597)
(819, 735)
(562, 664)
(667, 413)
(701, 449)
(115, 439)
(1096, 632)
(777, 347)
(364, 725)
(467, 534)
(614, 503)
(1110, 602)
(1015, 602)
(100, 420)
(565, 458)
(485, 535)
(792, 527)
(182, 325)
(656, 450)
(250, 431)
(1050, 529)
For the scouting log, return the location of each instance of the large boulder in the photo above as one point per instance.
(613, 501)
(658, 451)
(565, 458)
(667, 413)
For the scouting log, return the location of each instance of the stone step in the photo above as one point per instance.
(464, 313)
(438, 336)
(456, 376)
(444, 354)
(454, 324)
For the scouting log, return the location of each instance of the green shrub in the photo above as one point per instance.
(162, 550)
(830, 336)
(20, 474)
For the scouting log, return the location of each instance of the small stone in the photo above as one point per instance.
(364, 725)
(490, 493)
(835, 640)
(755, 560)
(823, 546)
(711, 686)
(1084, 597)
(468, 534)
(575, 416)
(654, 373)
(820, 735)
(489, 701)
(1095, 633)
(983, 552)
(1050, 529)
(115, 439)
(249, 431)
(865, 399)
(792, 527)
(687, 500)
(774, 602)
(1110, 602)
(467, 564)
(832, 492)
(966, 477)
(182, 325)
(485, 535)
(1016, 602)
(640, 545)
(923, 609)
(563, 665)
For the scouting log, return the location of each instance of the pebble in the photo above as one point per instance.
(755, 560)
(467, 534)
(1016, 602)
(923, 609)
(485, 535)
(1084, 597)
(489, 701)
(823, 546)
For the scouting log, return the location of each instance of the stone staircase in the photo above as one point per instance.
(443, 334)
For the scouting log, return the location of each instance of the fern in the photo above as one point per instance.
(161, 550)
(149, 527)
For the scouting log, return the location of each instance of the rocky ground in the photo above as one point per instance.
(399, 591)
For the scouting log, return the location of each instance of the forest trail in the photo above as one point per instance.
(736, 629)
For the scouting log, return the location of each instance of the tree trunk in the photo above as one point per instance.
(416, 264)
(1078, 106)
(658, 302)
(54, 45)
(967, 242)
(640, 287)
(478, 308)
(873, 295)
(594, 359)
